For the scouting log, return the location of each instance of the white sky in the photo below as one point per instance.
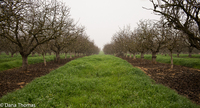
(103, 18)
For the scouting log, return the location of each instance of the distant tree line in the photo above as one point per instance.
(41, 26)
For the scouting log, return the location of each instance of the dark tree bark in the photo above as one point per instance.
(178, 55)
(70, 55)
(12, 54)
(57, 56)
(190, 51)
(65, 55)
(45, 63)
(172, 63)
(134, 56)
(142, 55)
(154, 57)
(24, 62)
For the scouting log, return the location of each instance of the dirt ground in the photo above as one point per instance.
(14, 79)
(184, 80)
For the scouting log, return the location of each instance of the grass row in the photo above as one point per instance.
(186, 55)
(8, 62)
(183, 60)
(98, 81)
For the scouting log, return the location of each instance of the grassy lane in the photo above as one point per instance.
(97, 81)
(8, 62)
(183, 60)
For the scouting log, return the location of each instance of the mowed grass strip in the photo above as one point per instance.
(98, 81)
(8, 62)
(183, 60)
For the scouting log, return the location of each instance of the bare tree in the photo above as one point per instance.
(172, 38)
(43, 49)
(140, 42)
(152, 35)
(119, 42)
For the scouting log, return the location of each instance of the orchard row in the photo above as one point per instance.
(177, 30)
(42, 26)
(149, 37)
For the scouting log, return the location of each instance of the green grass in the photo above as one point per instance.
(183, 60)
(8, 62)
(186, 55)
(101, 53)
(98, 81)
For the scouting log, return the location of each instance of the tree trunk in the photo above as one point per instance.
(57, 56)
(24, 62)
(170, 54)
(65, 55)
(190, 51)
(178, 55)
(45, 63)
(70, 55)
(172, 64)
(190, 55)
(142, 55)
(134, 56)
(129, 55)
(12, 54)
(154, 57)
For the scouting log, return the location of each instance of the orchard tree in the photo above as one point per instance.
(43, 49)
(140, 42)
(172, 38)
(151, 32)
(131, 44)
(119, 43)
(129, 41)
